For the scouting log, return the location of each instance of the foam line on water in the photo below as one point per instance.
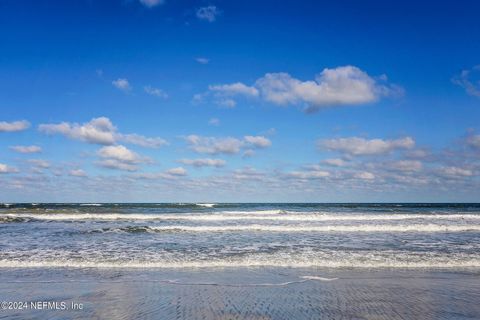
(323, 228)
(247, 263)
(177, 282)
(231, 217)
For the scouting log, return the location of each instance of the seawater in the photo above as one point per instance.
(181, 235)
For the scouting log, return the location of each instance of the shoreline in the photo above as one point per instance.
(245, 293)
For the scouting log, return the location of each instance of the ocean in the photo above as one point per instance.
(226, 235)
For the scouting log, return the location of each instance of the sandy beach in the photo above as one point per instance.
(253, 293)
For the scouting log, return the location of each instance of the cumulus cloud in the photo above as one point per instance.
(464, 79)
(406, 165)
(122, 84)
(248, 153)
(117, 165)
(155, 92)
(142, 141)
(346, 85)
(77, 173)
(212, 145)
(39, 163)
(202, 60)
(26, 149)
(313, 174)
(227, 103)
(120, 157)
(228, 145)
(7, 169)
(417, 154)
(361, 146)
(335, 162)
(120, 153)
(258, 141)
(99, 131)
(455, 172)
(364, 175)
(151, 3)
(206, 162)
(14, 126)
(234, 89)
(474, 141)
(179, 171)
(170, 174)
(248, 173)
(208, 13)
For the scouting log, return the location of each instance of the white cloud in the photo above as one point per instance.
(142, 141)
(248, 153)
(203, 162)
(248, 173)
(335, 162)
(417, 154)
(364, 175)
(227, 103)
(464, 80)
(155, 92)
(40, 163)
(77, 173)
(406, 165)
(151, 3)
(228, 145)
(199, 98)
(7, 169)
(14, 126)
(26, 149)
(346, 85)
(234, 89)
(455, 172)
(202, 60)
(314, 174)
(474, 141)
(258, 141)
(179, 171)
(99, 131)
(361, 146)
(116, 164)
(170, 174)
(208, 13)
(120, 153)
(212, 145)
(122, 84)
(214, 121)
(119, 157)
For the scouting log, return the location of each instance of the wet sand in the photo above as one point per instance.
(258, 293)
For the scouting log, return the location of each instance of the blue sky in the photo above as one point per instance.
(162, 101)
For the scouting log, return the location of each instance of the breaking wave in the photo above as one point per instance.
(230, 216)
(324, 228)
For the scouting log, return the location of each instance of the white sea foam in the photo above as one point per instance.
(323, 228)
(291, 263)
(207, 205)
(222, 216)
(318, 278)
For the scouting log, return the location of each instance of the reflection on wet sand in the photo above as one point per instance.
(274, 293)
